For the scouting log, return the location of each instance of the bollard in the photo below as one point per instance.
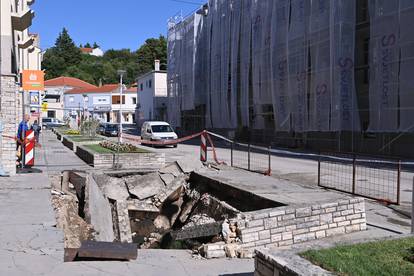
(203, 147)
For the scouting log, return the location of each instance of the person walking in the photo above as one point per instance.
(36, 129)
(21, 133)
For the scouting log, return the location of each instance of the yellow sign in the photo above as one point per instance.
(33, 80)
(44, 107)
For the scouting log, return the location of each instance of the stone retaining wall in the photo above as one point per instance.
(286, 225)
(150, 160)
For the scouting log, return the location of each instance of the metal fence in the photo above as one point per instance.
(370, 177)
(239, 155)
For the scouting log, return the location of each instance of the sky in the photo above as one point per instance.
(113, 24)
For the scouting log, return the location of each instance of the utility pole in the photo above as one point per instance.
(121, 74)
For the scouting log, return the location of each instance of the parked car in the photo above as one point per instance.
(157, 131)
(111, 130)
(101, 128)
(51, 123)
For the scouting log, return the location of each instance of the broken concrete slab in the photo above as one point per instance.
(98, 211)
(112, 187)
(139, 205)
(198, 231)
(124, 225)
(172, 168)
(167, 178)
(177, 183)
(190, 164)
(144, 186)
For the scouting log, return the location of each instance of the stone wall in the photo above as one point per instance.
(8, 92)
(286, 225)
(150, 160)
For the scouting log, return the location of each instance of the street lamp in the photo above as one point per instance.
(121, 74)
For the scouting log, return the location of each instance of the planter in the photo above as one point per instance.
(74, 144)
(148, 160)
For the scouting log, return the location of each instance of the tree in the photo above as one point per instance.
(65, 59)
(95, 45)
(63, 55)
(87, 45)
(80, 45)
(152, 49)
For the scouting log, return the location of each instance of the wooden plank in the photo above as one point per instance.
(108, 250)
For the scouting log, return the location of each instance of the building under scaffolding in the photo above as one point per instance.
(321, 74)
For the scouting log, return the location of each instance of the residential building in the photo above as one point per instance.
(92, 51)
(152, 96)
(129, 103)
(102, 103)
(54, 94)
(90, 102)
(19, 50)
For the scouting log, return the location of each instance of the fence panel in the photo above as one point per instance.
(365, 176)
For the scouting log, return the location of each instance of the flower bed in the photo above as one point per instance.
(122, 148)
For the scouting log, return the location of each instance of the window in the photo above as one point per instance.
(117, 99)
(142, 86)
(134, 100)
(86, 99)
(71, 99)
(149, 83)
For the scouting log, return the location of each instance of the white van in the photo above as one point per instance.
(157, 131)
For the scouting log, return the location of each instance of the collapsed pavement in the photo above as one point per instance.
(180, 208)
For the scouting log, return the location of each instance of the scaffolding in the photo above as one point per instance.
(294, 66)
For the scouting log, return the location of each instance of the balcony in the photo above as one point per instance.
(22, 20)
(24, 44)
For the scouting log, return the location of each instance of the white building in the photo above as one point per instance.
(54, 94)
(97, 52)
(19, 50)
(152, 96)
(103, 103)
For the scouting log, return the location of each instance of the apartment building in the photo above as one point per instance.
(152, 96)
(102, 103)
(54, 94)
(19, 50)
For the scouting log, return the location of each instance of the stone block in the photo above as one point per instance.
(354, 216)
(352, 228)
(254, 223)
(271, 223)
(329, 205)
(288, 217)
(277, 230)
(276, 237)
(303, 212)
(320, 234)
(252, 230)
(358, 221)
(251, 237)
(347, 212)
(344, 223)
(335, 231)
(339, 219)
(300, 231)
(265, 234)
(318, 228)
(277, 213)
(304, 237)
(285, 243)
(359, 208)
(326, 218)
(330, 210)
(287, 236)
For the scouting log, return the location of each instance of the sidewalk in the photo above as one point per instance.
(31, 245)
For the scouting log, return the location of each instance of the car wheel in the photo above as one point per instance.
(176, 145)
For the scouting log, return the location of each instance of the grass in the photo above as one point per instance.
(99, 149)
(388, 257)
(80, 138)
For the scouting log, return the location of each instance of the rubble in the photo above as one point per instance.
(144, 186)
(161, 209)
